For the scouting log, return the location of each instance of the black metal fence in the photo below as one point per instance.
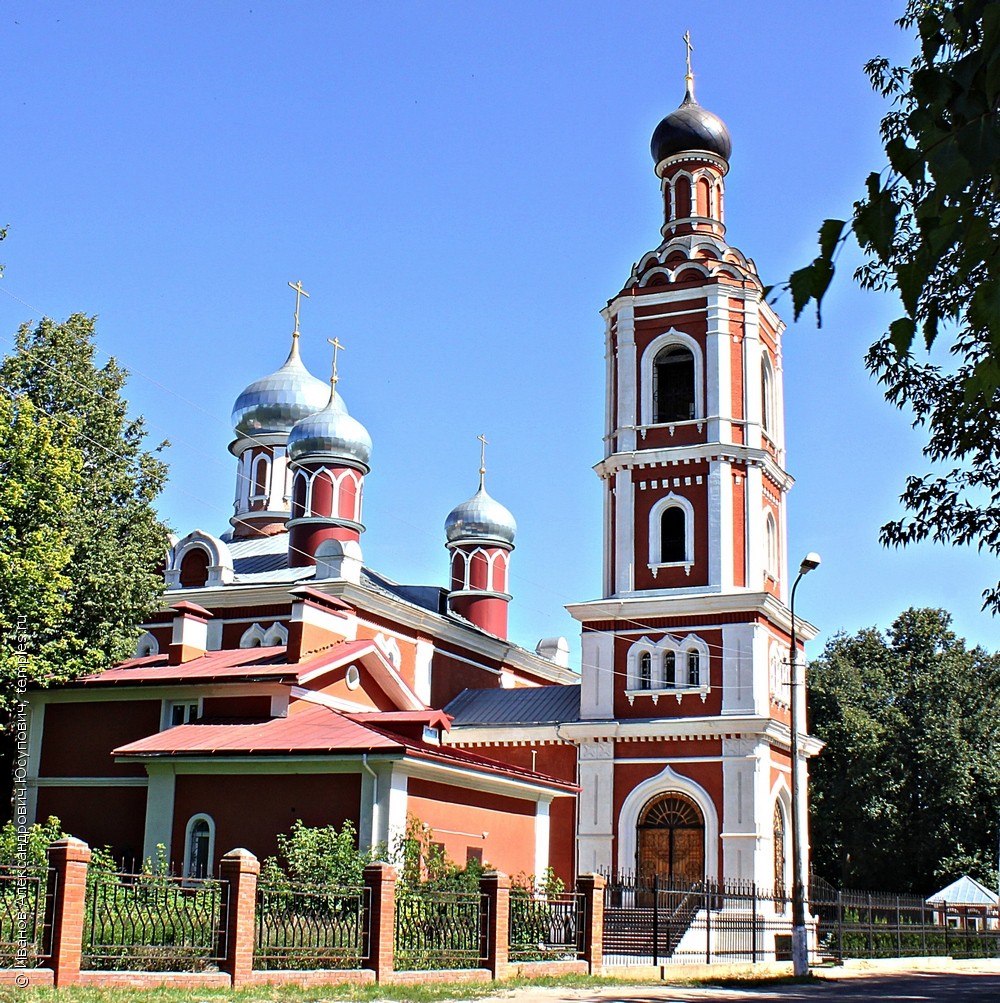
(24, 934)
(853, 924)
(151, 922)
(302, 927)
(440, 930)
(545, 927)
(657, 921)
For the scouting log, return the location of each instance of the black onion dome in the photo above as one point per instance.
(689, 128)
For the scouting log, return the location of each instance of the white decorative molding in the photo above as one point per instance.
(667, 781)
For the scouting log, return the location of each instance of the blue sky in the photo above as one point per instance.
(460, 187)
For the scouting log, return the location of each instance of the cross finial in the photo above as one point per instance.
(482, 460)
(337, 346)
(689, 76)
(299, 293)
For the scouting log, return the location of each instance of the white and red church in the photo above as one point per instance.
(284, 679)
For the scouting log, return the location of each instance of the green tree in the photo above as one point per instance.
(929, 226)
(80, 540)
(905, 794)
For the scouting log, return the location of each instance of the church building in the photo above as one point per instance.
(284, 679)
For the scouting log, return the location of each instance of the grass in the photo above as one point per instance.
(436, 992)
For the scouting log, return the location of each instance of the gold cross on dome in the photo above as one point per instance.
(299, 293)
(482, 457)
(690, 49)
(337, 347)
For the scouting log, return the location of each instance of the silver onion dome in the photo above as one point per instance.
(275, 403)
(330, 434)
(480, 518)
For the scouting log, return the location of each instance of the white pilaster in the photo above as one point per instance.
(276, 485)
(715, 523)
(740, 808)
(422, 670)
(628, 408)
(751, 372)
(159, 809)
(754, 528)
(738, 669)
(541, 839)
(718, 356)
(624, 532)
(595, 821)
(597, 675)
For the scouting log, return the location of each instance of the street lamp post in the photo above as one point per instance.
(800, 945)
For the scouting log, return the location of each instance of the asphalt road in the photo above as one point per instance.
(911, 987)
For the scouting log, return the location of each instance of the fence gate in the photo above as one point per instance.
(645, 921)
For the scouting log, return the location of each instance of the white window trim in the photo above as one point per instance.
(146, 645)
(266, 490)
(274, 636)
(659, 687)
(667, 781)
(167, 707)
(656, 544)
(670, 337)
(188, 830)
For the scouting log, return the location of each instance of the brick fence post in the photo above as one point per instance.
(495, 887)
(240, 869)
(69, 859)
(380, 954)
(591, 887)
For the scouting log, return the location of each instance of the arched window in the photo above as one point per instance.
(194, 568)
(199, 846)
(673, 536)
(771, 542)
(778, 825)
(767, 395)
(645, 671)
(671, 531)
(300, 489)
(260, 472)
(669, 668)
(673, 384)
(671, 840)
(693, 668)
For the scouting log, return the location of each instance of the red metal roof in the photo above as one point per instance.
(313, 729)
(235, 663)
(232, 664)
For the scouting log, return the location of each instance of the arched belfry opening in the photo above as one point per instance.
(673, 384)
(670, 841)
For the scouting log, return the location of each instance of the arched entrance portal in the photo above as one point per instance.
(670, 840)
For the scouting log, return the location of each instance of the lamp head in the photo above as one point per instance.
(810, 562)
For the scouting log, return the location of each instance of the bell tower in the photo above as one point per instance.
(685, 656)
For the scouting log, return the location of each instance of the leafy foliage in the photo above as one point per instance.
(904, 796)
(317, 855)
(929, 225)
(79, 538)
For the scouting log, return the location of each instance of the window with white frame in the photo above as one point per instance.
(199, 846)
(771, 544)
(669, 668)
(671, 532)
(767, 412)
(671, 376)
(182, 712)
(673, 385)
(668, 665)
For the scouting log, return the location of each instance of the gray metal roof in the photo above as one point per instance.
(531, 705)
(965, 891)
